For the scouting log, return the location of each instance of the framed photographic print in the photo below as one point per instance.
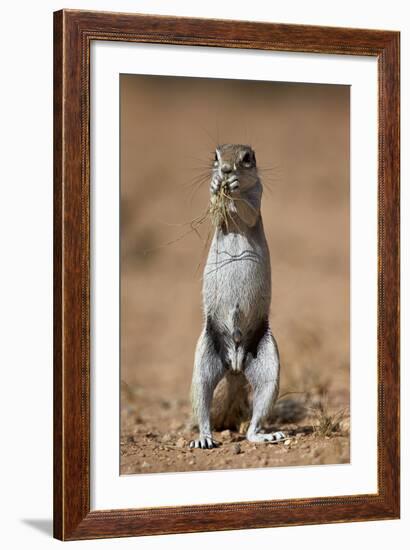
(226, 275)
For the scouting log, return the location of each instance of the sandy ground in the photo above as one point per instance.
(151, 442)
(301, 137)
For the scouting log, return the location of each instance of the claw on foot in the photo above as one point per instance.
(203, 443)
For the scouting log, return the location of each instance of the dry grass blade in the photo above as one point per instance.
(219, 207)
(327, 423)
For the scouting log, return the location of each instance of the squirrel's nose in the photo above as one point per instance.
(226, 168)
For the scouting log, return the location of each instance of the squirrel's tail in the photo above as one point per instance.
(230, 405)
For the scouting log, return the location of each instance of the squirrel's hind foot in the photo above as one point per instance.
(203, 443)
(274, 437)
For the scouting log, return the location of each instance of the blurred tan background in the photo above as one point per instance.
(169, 129)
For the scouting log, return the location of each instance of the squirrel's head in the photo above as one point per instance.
(239, 161)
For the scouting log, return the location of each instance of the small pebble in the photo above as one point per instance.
(236, 449)
(181, 442)
(287, 442)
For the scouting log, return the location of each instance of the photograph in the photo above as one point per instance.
(234, 274)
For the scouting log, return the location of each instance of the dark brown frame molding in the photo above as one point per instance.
(73, 33)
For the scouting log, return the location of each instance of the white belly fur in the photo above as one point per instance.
(237, 276)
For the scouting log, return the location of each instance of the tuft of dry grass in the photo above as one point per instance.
(218, 208)
(327, 423)
(219, 212)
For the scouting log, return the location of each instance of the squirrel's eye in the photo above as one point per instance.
(247, 159)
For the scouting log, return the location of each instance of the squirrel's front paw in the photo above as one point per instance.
(216, 184)
(233, 183)
(203, 443)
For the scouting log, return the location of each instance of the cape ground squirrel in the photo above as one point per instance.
(236, 348)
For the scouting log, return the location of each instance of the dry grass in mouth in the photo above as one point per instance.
(219, 206)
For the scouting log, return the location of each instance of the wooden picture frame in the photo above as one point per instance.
(73, 33)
